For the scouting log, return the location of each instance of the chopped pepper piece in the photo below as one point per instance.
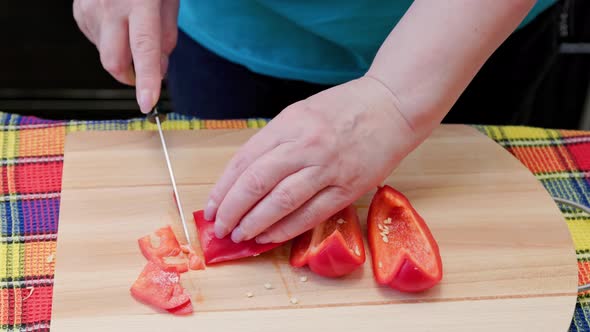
(220, 250)
(184, 309)
(160, 289)
(333, 248)
(195, 261)
(404, 253)
(163, 249)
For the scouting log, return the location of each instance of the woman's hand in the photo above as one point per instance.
(316, 157)
(134, 39)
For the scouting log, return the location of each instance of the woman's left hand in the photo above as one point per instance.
(315, 158)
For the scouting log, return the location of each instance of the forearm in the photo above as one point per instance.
(437, 48)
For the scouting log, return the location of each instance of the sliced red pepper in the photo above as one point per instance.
(159, 288)
(195, 261)
(334, 248)
(184, 309)
(220, 250)
(404, 253)
(163, 249)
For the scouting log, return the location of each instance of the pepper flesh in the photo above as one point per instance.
(333, 248)
(195, 261)
(220, 250)
(405, 254)
(166, 252)
(160, 289)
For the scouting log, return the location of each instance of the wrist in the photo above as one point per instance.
(387, 111)
(394, 104)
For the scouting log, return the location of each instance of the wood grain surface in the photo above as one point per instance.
(509, 261)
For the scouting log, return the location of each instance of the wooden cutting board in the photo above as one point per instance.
(509, 260)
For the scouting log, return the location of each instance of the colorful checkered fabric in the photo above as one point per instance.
(31, 152)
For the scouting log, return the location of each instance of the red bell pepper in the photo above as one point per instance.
(220, 250)
(334, 248)
(184, 309)
(164, 250)
(161, 289)
(404, 253)
(195, 261)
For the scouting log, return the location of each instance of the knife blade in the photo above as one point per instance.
(156, 116)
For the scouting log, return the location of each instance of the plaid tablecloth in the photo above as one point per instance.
(31, 152)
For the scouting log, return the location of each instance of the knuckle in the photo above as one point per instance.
(247, 228)
(144, 42)
(76, 11)
(240, 163)
(283, 234)
(326, 175)
(254, 184)
(110, 7)
(308, 219)
(223, 218)
(284, 199)
(341, 194)
(215, 196)
(322, 137)
(169, 40)
(318, 136)
(112, 64)
(87, 7)
(107, 4)
(352, 171)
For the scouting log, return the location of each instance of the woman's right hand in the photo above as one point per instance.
(134, 39)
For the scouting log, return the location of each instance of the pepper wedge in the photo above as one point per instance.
(405, 255)
(220, 250)
(333, 248)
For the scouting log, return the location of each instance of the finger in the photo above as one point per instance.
(323, 205)
(286, 197)
(115, 53)
(145, 39)
(253, 184)
(256, 146)
(169, 14)
(82, 20)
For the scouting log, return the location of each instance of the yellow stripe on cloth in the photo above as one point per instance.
(11, 265)
(528, 133)
(580, 231)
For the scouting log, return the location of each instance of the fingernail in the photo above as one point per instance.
(209, 213)
(263, 239)
(163, 65)
(220, 230)
(237, 235)
(146, 100)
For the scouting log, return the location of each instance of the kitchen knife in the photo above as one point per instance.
(157, 117)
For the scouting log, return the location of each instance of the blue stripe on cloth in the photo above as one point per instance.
(573, 189)
(41, 216)
(12, 222)
(580, 320)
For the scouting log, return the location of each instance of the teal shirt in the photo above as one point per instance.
(319, 41)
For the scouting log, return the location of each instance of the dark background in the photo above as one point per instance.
(49, 69)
